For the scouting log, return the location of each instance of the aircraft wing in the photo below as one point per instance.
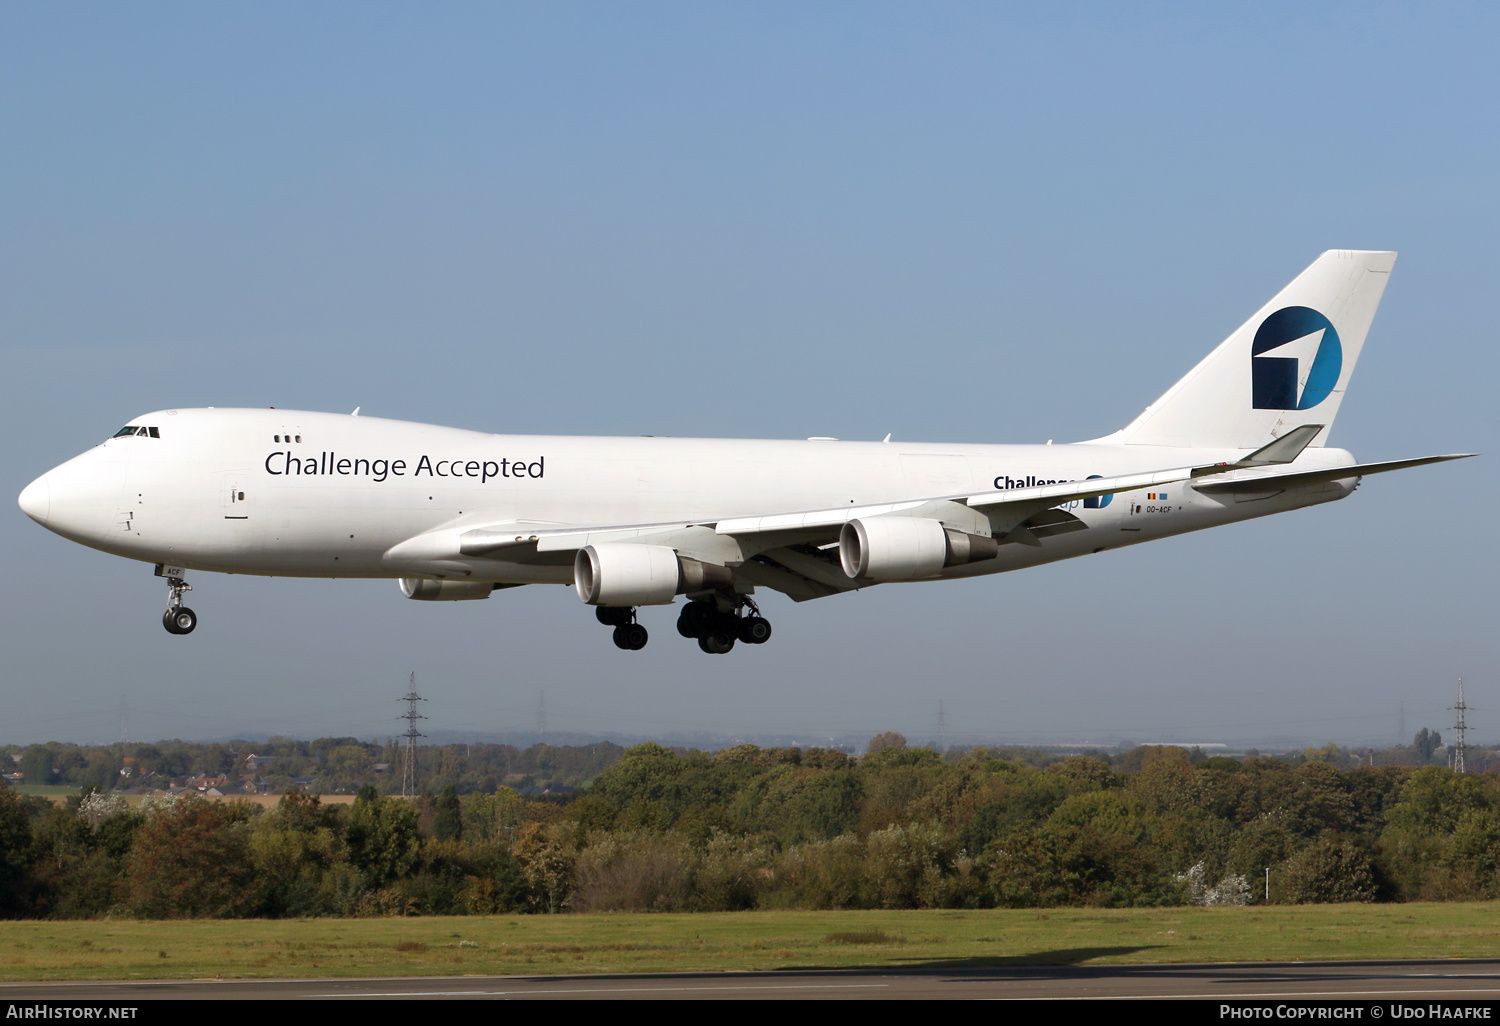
(796, 553)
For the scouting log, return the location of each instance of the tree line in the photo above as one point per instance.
(327, 765)
(747, 827)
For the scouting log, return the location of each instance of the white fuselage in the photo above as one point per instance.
(324, 495)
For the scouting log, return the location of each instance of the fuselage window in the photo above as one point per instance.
(129, 429)
(299, 438)
(278, 439)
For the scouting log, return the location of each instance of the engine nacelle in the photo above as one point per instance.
(907, 548)
(614, 574)
(623, 574)
(445, 591)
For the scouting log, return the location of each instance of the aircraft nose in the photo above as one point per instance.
(36, 500)
(78, 499)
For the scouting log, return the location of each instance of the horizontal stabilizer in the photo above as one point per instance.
(1263, 482)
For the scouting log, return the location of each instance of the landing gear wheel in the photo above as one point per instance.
(178, 619)
(614, 616)
(755, 630)
(716, 642)
(696, 619)
(631, 636)
(181, 620)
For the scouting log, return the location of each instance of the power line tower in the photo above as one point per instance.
(541, 716)
(942, 728)
(409, 756)
(1460, 745)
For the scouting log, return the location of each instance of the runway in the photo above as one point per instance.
(1466, 980)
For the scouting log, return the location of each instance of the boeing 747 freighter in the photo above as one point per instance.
(635, 522)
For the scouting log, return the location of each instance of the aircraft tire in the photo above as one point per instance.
(182, 620)
(632, 637)
(613, 616)
(168, 622)
(697, 619)
(755, 630)
(716, 642)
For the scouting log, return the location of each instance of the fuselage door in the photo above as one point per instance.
(234, 498)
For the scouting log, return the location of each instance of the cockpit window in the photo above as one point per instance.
(129, 429)
(154, 433)
(135, 429)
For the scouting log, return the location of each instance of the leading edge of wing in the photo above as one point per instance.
(1037, 498)
(496, 541)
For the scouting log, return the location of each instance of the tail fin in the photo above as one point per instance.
(1287, 366)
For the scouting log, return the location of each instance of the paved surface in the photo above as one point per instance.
(1477, 981)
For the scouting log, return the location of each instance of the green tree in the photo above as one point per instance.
(546, 865)
(447, 820)
(383, 840)
(1329, 870)
(15, 852)
(36, 765)
(1096, 849)
(1320, 800)
(1435, 798)
(1426, 742)
(192, 860)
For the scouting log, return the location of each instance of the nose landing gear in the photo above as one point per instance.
(178, 619)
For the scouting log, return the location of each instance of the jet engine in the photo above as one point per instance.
(623, 574)
(445, 591)
(907, 548)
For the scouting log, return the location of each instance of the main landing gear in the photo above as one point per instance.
(718, 629)
(178, 619)
(716, 623)
(629, 635)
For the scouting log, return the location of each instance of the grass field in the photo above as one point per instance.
(630, 943)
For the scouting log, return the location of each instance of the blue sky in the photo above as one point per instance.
(952, 222)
